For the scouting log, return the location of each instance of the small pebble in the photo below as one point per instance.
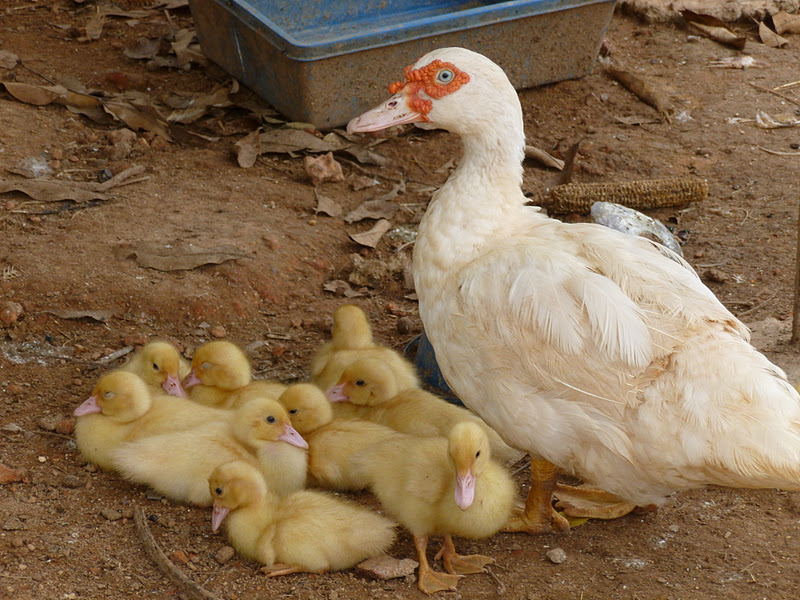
(10, 312)
(65, 426)
(111, 514)
(404, 325)
(48, 423)
(179, 556)
(224, 554)
(17, 542)
(218, 331)
(387, 567)
(715, 275)
(727, 535)
(674, 528)
(73, 481)
(556, 555)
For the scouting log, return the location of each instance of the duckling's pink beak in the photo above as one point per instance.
(336, 394)
(395, 111)
(218, 516)
(291, 436)
(190, 380)
(173, 386)
(465, 490)
(88, 407)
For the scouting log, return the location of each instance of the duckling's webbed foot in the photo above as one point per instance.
(590, 503)
(279, 569)
(461, 564)
(430, 581)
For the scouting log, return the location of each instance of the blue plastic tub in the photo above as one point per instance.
(325, 62)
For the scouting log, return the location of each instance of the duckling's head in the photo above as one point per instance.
(219, 364)
(233, 485)
(468, 447)
(350, 329)
(265, 420)
(366, 382)
(307, 406)
(159, 364)
(120, 395)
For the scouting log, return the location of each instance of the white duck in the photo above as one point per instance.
(602, 354)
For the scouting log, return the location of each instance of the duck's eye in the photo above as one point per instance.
(156, 367)
(477, 454)
(206, 365)
(218, 491)
(445, 76)
(108, 395)
(360, 383)
(269, 419)
(293, 411)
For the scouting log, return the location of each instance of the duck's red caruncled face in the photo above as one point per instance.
(437, 79)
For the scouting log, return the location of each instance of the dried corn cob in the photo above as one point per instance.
(650, 193)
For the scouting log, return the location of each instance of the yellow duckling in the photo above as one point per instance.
(123, 407)
(351, 339)
(264, 427)
(441, 486)
(307, 531)
(371, 387)
(218, 368)
(331, 442)
(161, 366)
(255, 389)
(178, 464)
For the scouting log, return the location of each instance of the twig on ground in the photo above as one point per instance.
(173, 573)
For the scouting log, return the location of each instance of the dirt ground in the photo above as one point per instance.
(66, 530)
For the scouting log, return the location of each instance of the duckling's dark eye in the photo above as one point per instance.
(445, 76)
(156, 367)
(218, 491)
(360, 382)
(477, 454)
(108, 395)
(269, 419)
(293, 411)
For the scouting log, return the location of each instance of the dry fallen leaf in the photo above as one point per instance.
(296, 140)
(101, 316)
(327, 206)
(185, 51)
(786, 23)
(180, 257)
(341, 288)
(645, 90)
(713, 28)
(248, 148)
(94, 27)
(769, 37)
(373, 236)
(138, 117)
(193, 107)
(323, 168)
(52, 191)
(372, 209)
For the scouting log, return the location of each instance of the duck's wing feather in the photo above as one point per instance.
(596, 310)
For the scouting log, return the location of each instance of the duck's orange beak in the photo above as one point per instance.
(291, 436)
(173, 386)
(88, 407)
(218, 516)
(395, 111)
(337, 394)
(190, 380)
(465, 490)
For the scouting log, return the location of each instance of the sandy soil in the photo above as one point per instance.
(76, 256)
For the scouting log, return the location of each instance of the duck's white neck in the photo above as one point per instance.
(482, 198)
